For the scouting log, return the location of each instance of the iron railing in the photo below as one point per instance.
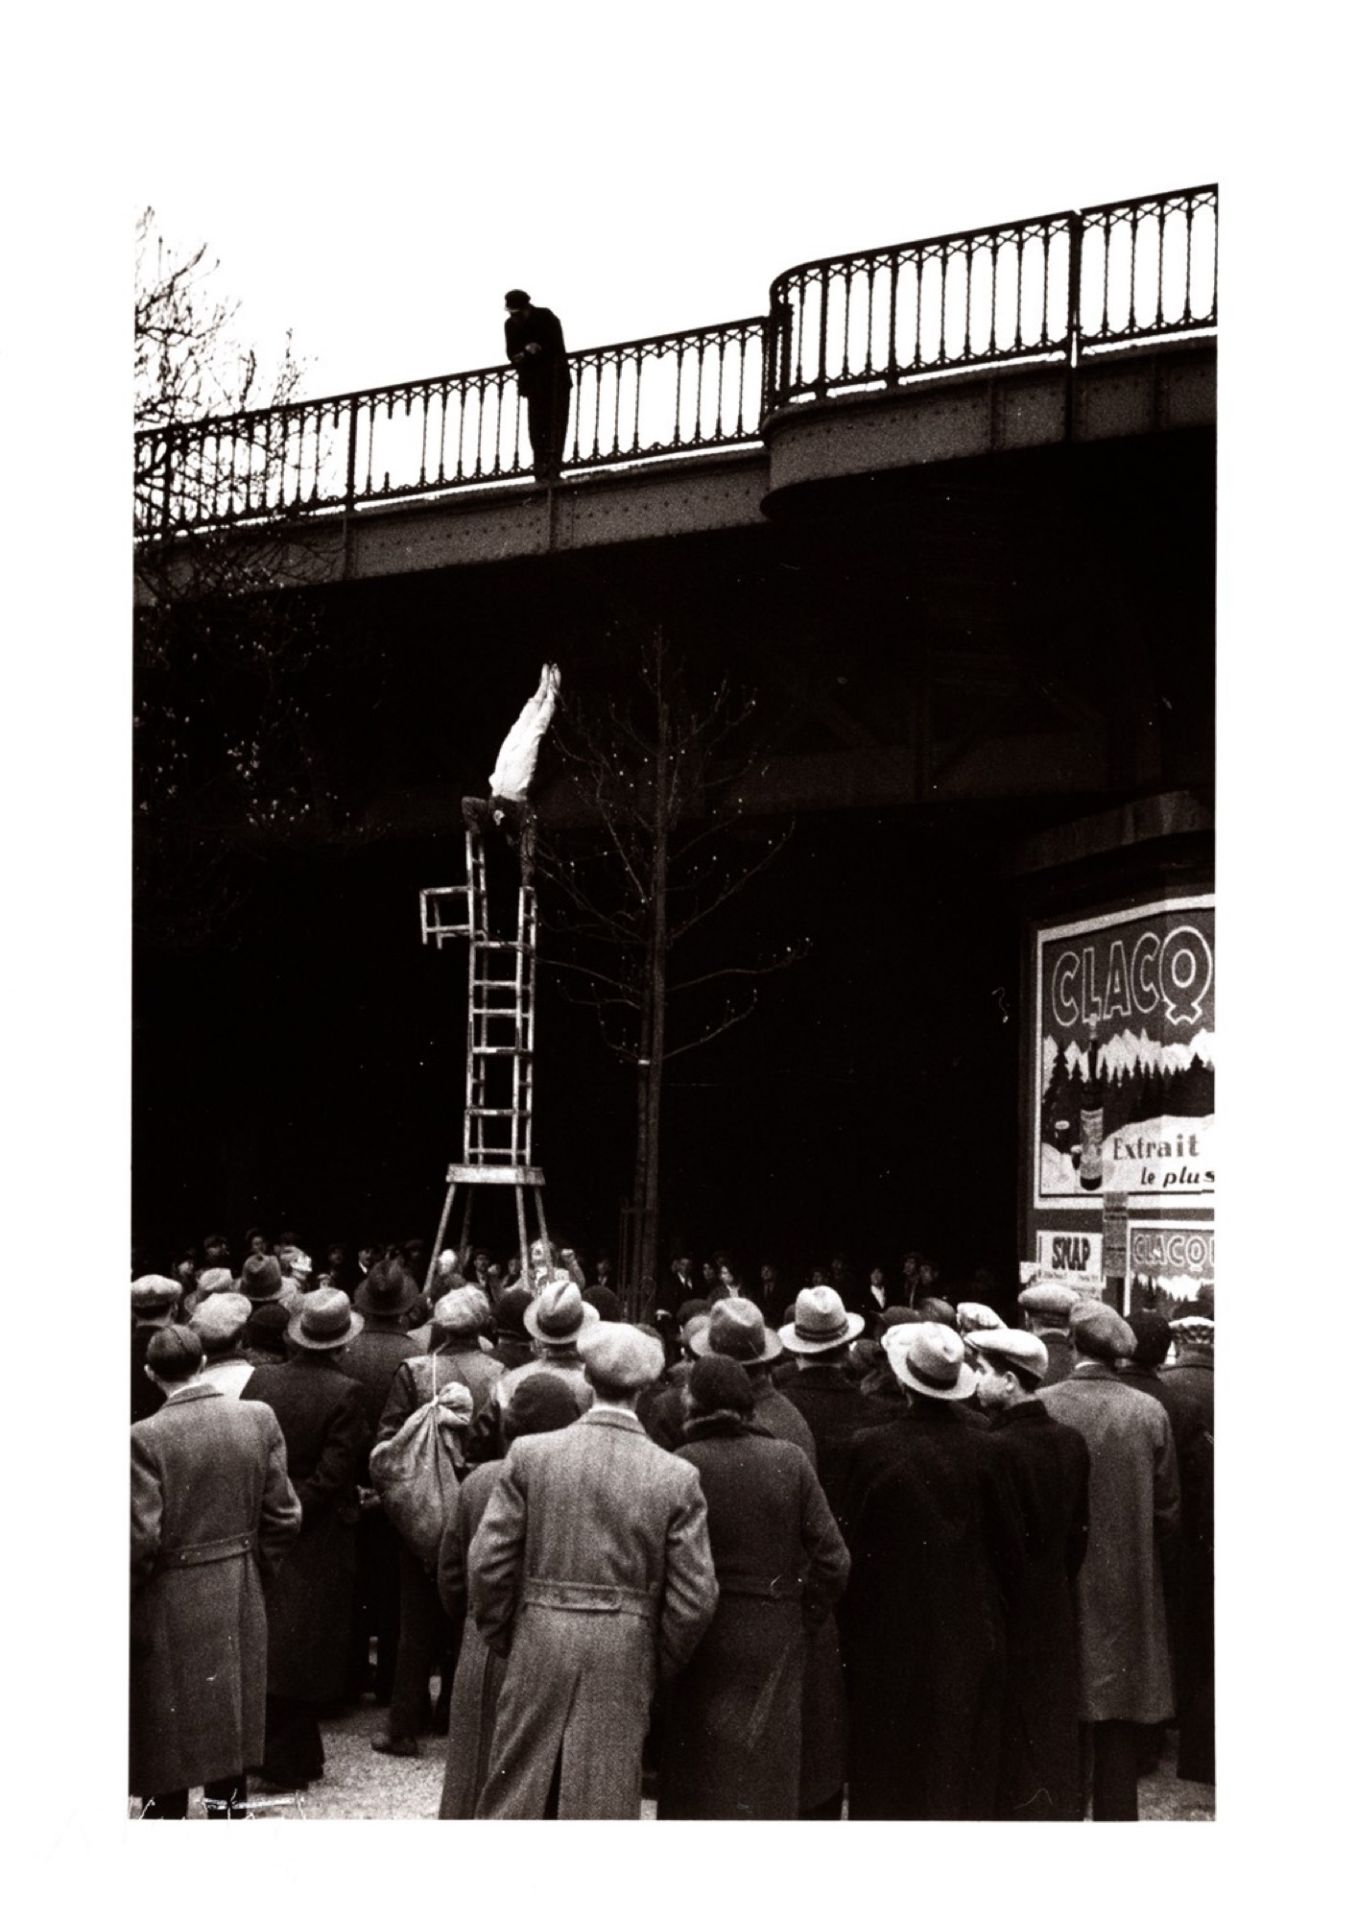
(1044, 289)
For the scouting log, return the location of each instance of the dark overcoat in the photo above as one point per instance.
(1059, 1353)
(592, 1571)
(1187, 1391)
(146, 1395)
(212, 1511)
(834, 1410)
(412, 1384)
(732, 1722)
(933, 1531)
(1133, 1506)
(310, 1602)
(480, 1673)
(372, 1360)
(1039, 1767)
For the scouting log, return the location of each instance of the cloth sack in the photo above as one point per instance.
(417, 1470)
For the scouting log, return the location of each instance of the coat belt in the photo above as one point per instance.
(200, 1552)
(783, 1586)
(582, 1596)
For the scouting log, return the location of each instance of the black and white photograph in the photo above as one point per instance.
(644, 900)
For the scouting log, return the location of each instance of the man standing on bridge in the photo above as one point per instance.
(536, 348)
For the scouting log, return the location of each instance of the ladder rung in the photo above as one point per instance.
(526, 1052)
(500, 1113)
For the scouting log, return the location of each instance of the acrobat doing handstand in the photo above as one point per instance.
(508, 807)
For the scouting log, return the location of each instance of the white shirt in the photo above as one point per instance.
(518, 756)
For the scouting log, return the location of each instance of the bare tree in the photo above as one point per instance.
(228, 748)
(659, 780)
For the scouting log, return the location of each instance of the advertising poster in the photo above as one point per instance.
(1125, 1057)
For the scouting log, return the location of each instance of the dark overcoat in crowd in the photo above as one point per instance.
(732, 1722)
(592, 1572)
(934, 1531)
(1039, 1766)
(146, 1395)
(1189, 1390)
(310, 1602)
(372, 1360)
(834, 1410)
(1133, 1507)
(480, 1673)
(212, 1510)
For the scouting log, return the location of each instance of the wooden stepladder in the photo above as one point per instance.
(501, 1026)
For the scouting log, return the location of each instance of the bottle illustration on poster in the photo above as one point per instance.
(1125, 1054)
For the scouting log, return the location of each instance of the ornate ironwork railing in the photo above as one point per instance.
(672, 393)
(1048, 289)
(1038, 289)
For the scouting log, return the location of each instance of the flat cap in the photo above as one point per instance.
(217, 1280)
(973, 1315)
(1099, 1331)
(941, 1312)
(541, 1403)
(220, 1319)
(1012, 1344)
(618, 1358)
(720, 1384)
(1050, 1298)
(154, 1292)
(463, 1311)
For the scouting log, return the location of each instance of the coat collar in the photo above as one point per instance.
(1028, 1409)
(1207, 1360)
(721, 1425)
(1093, 1370)
(824, 1380)
(612, 1417)
(196, 1390)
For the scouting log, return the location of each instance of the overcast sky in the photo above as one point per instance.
(637, 170)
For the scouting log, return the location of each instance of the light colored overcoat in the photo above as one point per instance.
(1125, 1670)
(211, 1506)
(592, 1572)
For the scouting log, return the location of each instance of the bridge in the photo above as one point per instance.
(1076, 327)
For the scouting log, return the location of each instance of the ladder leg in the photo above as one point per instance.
(464, 1245)
(438, 1237)
(542, 1221)
(522, 1233)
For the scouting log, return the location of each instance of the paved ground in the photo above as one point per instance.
(362, 1785)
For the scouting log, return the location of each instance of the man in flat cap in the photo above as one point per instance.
(212, 1514)
(554, 1321)
(934, 1532)
(1039, 1764)
(1047, 1306)
(1126, 1679)
(155, 1302)
(592, 1573)
(310, 1604)
(220, 1320)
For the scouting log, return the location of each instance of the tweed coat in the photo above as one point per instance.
(592, 1572)
(212, 1509)
(1133, 1508)
(146, 1395)
(732, 1721)
(480, 1673)
(934, 1532)
(310, 1603)
(1039, 1767)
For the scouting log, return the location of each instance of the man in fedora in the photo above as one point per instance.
(1039, 1769)
(933, 1530)
(310, 1604)
(829, 1402)
(592, 1573)
(380, 1349)
(155, 1302)
(212, 1512)
(737, 1330)
(1126, 1679)
(220, 1322)
(1047, 1305)
(536, 349)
